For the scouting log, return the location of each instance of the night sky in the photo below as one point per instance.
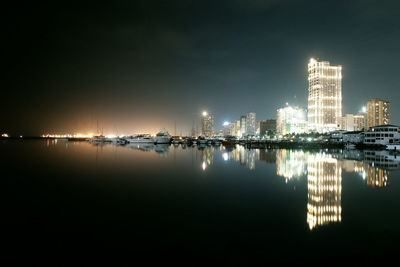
(138, 66)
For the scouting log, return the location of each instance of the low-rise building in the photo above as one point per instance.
(337, 136)
(382, 135)
(350, 122)
(267, 127)
(354, 137)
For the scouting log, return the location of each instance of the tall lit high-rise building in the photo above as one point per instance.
(237, 128)
(242, 125)
(251, 123)
(378, 112)
(291, 119)
(207, 124)
(324, 96)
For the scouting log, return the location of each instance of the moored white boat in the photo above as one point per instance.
(141, 138)
(162, 137)
(201, 140)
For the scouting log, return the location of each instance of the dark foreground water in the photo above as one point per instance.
(71, 203)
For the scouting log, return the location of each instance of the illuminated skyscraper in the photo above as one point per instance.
(243, 125)
(324, 96)
(207, 124)
(267, 127)
(237, 128)
(324, 190)
(378, 112)
(251, 123)
(291, 119)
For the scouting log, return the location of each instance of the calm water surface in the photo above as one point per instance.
(69, 201)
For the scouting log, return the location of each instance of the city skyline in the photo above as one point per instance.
(140, 67)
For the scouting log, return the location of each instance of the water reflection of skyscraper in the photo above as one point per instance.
(206, 156)
(291, 163)
(324, 181)
(324, 174)
(245, 156)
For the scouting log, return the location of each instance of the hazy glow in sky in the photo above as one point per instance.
(145, 65)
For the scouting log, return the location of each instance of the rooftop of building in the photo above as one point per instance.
(377, 100)
(385, 125)
(353, 132)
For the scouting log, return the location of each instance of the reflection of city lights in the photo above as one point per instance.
(324, 190)
(204, 165)
(225, 156)
(290, 163)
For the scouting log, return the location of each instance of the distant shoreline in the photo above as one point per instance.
(248, 144)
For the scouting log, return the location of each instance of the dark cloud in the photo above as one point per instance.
(145, 64)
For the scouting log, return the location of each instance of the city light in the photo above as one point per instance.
(364, 109)
(324, 96)
(77, 135)
(4, 135)
(226, 123)
(205, 113)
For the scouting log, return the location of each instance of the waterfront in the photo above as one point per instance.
(232, 204)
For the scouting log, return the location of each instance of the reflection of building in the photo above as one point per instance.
(291, 163)
(379, 165)
(245, 156)
(251, 123)
(207, 124)
(268, 156)
(267, 127)
(324, 96)
(324, 190)
(377, 177)
(378, 112)
(291, 120)
(207, 156)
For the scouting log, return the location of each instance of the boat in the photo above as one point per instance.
(120, 141)
(100, 139)
(162, 137)
(201, 140)
(176, 142)
(140, 138)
